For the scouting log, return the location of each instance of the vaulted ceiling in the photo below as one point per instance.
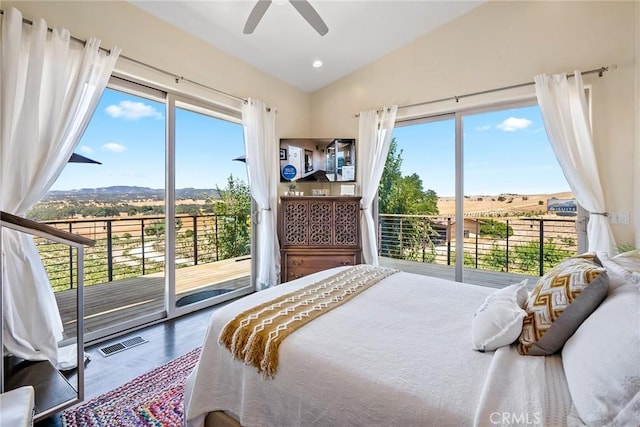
(285, 45)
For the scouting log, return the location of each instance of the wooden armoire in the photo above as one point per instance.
(317, 233)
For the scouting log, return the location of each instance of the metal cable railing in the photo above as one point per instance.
(131, 247)
(518, 245)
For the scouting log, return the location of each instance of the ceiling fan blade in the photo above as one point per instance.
(256, 15)
(309, 13)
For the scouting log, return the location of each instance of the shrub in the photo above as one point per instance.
(495, 229)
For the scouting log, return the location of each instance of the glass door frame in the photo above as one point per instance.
(133, 87)
(170, 173)
(130, 87)
(458, 116)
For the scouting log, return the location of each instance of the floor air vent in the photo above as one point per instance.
(121, 346)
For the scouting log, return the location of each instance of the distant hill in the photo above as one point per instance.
(119, 193)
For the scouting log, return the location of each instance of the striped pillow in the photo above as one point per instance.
(561, 300)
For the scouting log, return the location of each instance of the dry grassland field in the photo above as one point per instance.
(491, 204)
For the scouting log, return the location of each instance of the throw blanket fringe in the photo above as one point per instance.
(254, 335)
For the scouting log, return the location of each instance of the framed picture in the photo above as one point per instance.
(283, 154)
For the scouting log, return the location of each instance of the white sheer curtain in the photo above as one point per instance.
(566, 120)
(261, 151)
(48, 92)
(374, 139)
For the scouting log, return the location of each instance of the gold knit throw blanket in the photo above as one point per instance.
(254, 335)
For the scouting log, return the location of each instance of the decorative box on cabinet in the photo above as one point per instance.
(317, 233)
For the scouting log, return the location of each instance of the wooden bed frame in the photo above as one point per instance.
(220, 419)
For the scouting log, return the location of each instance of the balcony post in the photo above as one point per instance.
(477, 232)
(449, 241)
(195, 240)
(109, 252)
(507, 248)
(401, 242)
(423, 239)
(541, 249)
(379, 236)
(142, 241)
(70, 260)
(216, 238)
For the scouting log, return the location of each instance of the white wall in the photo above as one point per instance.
(505, 43)
(637, 120)
(150, 40)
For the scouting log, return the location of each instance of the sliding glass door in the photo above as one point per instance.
(212, 208)
(113, 191)
(158, 181)
(512, 184)
(477, 196)
(417, 196)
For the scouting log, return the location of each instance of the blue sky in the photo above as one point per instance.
(505, 151)
(127, 135)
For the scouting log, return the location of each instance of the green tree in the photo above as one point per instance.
(495, 229)
(528, 255)
(399, 194)
(157, 228)
(390, 176)
(410, 239)
(234, 208)
(496, 259)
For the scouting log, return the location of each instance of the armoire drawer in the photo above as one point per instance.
(320, 262)
(296, 266)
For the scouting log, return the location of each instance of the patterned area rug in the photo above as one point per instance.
(153, 399)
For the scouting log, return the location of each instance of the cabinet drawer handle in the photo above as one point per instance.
(346, 263)
(297, 261)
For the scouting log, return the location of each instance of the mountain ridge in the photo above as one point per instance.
(129, 192)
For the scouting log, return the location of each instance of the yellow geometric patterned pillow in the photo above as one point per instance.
(561, 300)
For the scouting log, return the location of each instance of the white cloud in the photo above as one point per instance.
(513, 124)
(130, 110)
(114, 147)
(483, 127)
(86, 150)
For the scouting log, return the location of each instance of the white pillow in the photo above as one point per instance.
(602, 361)
(498, 321)
(620, 268)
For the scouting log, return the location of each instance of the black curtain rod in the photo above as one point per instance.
(135, 61)
(457, 98)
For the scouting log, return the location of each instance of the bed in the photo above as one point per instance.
(398, 354)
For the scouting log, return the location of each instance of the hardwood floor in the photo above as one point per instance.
(166, 341)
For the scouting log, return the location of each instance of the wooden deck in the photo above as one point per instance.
(110, 303)
(493, 279)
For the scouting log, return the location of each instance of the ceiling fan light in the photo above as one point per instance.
(317, 63)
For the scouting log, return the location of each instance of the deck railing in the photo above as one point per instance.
(134, 246)
(517, 245)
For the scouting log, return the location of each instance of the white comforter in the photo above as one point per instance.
(399, 354)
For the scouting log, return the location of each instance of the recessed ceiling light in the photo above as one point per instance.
(317, 63)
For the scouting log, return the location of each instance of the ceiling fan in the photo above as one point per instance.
(302, 6)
